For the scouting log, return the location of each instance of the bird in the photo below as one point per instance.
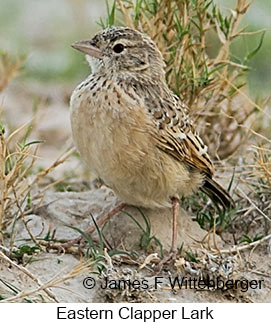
(133, 132)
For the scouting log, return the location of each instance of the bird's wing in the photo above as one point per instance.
(176, 135)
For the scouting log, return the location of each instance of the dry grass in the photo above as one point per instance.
(211, 82)
(18, 177)
(18, 182)
(46, 288)
(9, 68)
(195, 38)
(22, 191)
(206, 77)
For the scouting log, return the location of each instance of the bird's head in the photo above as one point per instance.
(123, 51)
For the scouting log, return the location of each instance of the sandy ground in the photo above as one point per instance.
(74, 208)
(59, 209)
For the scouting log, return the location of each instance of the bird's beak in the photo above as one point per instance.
(85, 47)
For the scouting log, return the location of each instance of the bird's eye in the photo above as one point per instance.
(118, 48)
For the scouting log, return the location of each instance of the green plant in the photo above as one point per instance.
(196, 39)
(146, 238)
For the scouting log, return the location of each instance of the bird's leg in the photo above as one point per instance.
(173, 250)
(92, 228)
(107, 217)
(175, 211)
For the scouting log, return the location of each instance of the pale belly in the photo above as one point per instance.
(119, 150)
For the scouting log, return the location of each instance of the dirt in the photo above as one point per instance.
(121, 233)
(59, 209)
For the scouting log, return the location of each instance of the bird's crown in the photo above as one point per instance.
(123, 50)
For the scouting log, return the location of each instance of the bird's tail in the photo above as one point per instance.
(217, 193)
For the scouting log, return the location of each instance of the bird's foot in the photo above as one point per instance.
(169, 259)
(80, 241)
(92, 228)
